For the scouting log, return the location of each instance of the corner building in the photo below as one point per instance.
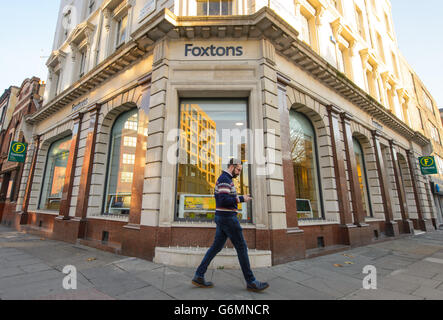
(345, 164)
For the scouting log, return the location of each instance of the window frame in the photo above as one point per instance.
(45, 171)
(364, 168)
(119, 21)
(321, 208)
(103, 213)
(251, 215)
(220, 8)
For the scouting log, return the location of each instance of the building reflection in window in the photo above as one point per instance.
(304, 157)
(204, 153)
(54, 179)
(362, 178)
(122, 161)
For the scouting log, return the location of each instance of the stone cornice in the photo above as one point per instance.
(55, 58)
(118, 61)
(264, 24)
(81, 32)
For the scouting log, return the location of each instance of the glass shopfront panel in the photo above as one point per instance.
(211, 133)
(304, 158)
(54, 179)
(122, 159)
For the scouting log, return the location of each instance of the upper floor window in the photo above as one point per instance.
(428, 101)
(67, 21)
(57, 77)
(360, 23)
(214, 7)
(388, 24)
(122, 25)
(434, 133)
(82, 63)
(337, 5)
(91, 6)
(380, 47)
(305, 29)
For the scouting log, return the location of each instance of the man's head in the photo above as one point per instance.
(235, 167)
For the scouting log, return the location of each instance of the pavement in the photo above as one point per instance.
(31, 268)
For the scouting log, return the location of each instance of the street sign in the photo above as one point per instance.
(428, 165)
(17, 153)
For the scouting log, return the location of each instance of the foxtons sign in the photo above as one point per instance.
(17, 152)
(428, 165)
(213, 51)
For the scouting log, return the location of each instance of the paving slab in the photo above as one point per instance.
(407, 268)
(428, 293)
(380, 294)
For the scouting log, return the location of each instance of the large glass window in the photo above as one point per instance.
(214, 7)
(212, 131)
(54, 179)
(121, 162)
(362, 177)
(304, 157)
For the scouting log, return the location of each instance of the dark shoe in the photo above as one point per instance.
(257, 286)
(200, 282)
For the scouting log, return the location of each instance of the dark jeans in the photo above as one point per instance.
(228, 226)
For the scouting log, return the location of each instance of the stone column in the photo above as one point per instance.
(391, 227)
(133, 233)
(357, 201)
(70, 169)
(27, 196)
(88, 161)
(140, 163)
(408, 226)
(349, 230)
(287, 162)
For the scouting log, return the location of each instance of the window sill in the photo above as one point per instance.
(374, 219)
(109, 218)
(302, 223)
(53, 213)
(205, 225)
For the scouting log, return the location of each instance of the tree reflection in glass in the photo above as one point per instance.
(304, 158)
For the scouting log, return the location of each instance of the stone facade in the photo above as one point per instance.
(95, 78)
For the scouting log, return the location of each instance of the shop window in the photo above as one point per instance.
(54, 178)
(305, 164)
(214, 7)
(120, 174)
(200, 166)
(362, 177)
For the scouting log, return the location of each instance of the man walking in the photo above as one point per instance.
(228, 226)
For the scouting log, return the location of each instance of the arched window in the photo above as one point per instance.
(54, 178)
(305, 162)
(120, 175)
(362, 177)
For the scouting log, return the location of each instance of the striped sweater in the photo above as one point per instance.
(226, 197)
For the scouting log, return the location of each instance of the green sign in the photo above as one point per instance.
(17, 153)
(428, 165)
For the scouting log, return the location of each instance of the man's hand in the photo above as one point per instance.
(247, 197)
